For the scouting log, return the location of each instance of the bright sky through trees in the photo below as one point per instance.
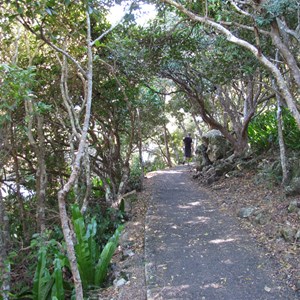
(143, 15)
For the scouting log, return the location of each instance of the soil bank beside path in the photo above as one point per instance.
(194, 251)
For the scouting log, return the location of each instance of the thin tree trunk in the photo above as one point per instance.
(197, 125)
(62, 194)
(4, 246)
(39, 150)
(18, 187)
(41, 175)
(285, 52)
(283, 159)
(140, 145)
(166, 139)
(126, 166)
(88, 182)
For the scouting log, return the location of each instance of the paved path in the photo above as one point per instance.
(194, 251)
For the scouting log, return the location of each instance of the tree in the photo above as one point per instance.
(247, 21)
(42, 19)
(4, 226)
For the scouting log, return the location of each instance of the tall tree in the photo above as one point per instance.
(249, 13)
(42, 19)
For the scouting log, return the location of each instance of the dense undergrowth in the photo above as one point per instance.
(42, 270)
(263, 131)
(45, 271)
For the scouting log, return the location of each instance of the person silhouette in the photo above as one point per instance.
(187, 148)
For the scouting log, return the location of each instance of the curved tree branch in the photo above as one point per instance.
(283, 87)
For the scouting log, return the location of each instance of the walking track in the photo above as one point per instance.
(194, 251)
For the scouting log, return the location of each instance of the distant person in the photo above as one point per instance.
(187, 148)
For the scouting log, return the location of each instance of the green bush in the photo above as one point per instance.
(92, 263)
(49, 282)
(263, 132)
(135, 177)
(157, 164)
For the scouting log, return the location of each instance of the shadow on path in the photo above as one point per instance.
(194, 251)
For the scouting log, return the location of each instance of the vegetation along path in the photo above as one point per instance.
(195, 251)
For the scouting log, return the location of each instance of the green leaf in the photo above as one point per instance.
(122, 206)
(105, 257)
(58, 288)
(42, 282)
(82, 248)
(20, 10)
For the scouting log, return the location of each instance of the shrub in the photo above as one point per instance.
(135, 177)
(263, 132)
(49, 282)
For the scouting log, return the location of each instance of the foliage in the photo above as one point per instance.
(269, 172)
(48, 279)
(274, 9)
(141, 58)
(97, 188)
(105, 257)
(157, 164)
(46, 286)
(108, 219)
(92, 263)
(135, 180)
(14, 89)
(263, 132)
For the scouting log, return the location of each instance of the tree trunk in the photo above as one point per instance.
(41, 175)
(240, 145)
(285, 52)
(88, 182)
(4, 221)
(69, 236)
(140, 145)
(18, 187)
(200, 132)
(283, 159)
(39, 151)
(166, 140)
(4, 246)
(124, 180)
(62, 194)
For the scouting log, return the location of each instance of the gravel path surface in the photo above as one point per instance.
(194, 251)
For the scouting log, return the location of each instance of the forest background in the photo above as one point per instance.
(89, 105)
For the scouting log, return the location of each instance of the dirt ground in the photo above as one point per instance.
(232, 194)
(235, 193)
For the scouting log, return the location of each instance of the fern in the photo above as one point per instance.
(106, 256)
(42, 282)
(84, 248)
(58, 292)
(92, 265)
